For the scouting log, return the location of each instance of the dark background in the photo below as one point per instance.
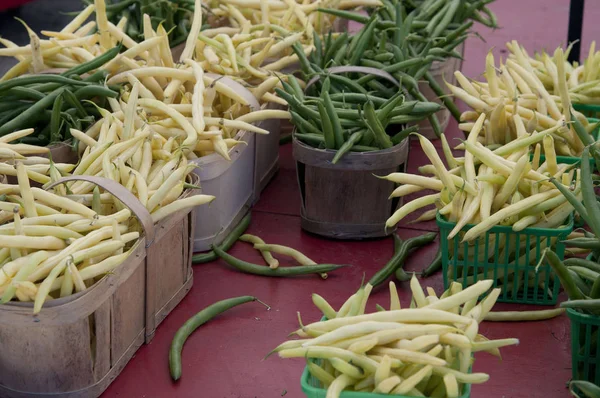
(39, 15)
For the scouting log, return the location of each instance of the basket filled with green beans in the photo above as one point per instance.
(344, 135)
(55, 103)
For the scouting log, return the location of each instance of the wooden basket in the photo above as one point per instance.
(169, 264)
(76, 346)
(345, 200)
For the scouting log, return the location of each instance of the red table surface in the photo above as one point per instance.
(224, 359)
(8, 4)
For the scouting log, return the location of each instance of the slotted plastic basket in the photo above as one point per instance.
(313, 389)
(496, 255)
(585, 346)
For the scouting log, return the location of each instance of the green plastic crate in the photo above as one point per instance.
(585, 346)
(312, 389)
(540, 287)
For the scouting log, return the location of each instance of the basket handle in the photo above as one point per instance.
(358, 69)
(239, 88)
(121, 193)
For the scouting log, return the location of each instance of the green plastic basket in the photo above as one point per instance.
(507, 263)
(585, 346)
(312, 389)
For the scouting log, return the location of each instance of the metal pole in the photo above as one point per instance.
(575, 28)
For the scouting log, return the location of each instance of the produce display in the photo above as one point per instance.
(424, 350)
(156, 101)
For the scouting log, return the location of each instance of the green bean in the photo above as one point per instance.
(37, 79)
(588, 388)
(293, 82)
(74, 103)
(363, 42)
(383, 57)
(382, 139)
(347, 146)
(304, 63)
(583, 304)
(94, 63)
(25, 93)
(404, 119)
(29, 116)
(424, 108)
(595, 291)
(311, 139)
(295, 104)
(358, 98)
(583, 135)
(285, 139)
(434, 266)
(335, 46)
(588, 194)
(354, 16)
(6, 117)
(95, 91)
(194, 323)
(400, 256)
(278, 272)
(585, 273)
(303, 125)
(326, 124)
(579, 282)
(385, 112)
(563, 275)
(402, 135)
(447, 17)
(351, 84)
(227, 243)
(55, 119)
(583, 243)
(333, 119)
(573, 200)
(581, 262)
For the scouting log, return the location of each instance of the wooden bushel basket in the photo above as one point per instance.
(169, 264)
(345, 200)
(77, 345)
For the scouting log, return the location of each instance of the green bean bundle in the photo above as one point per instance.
(347, 118)
(405, 38)
(55, 104)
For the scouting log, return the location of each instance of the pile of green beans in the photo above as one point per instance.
(345, 117)
(174, 15)
(404, 38)
(53, 104)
